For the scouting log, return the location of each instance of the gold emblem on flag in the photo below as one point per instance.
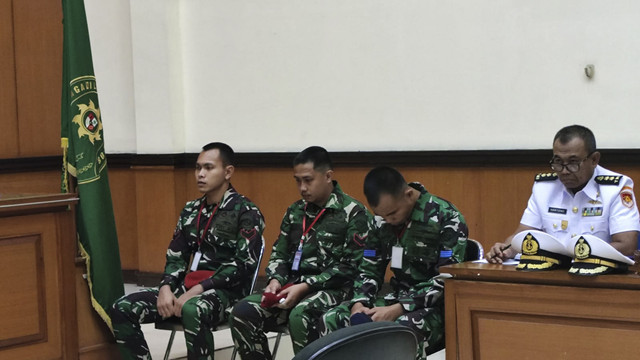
(89, 122)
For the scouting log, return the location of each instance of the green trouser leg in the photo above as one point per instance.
(428, 325)
(304, 318)
(249, 322)
(199, 315)
(127, 314)
(334, 319)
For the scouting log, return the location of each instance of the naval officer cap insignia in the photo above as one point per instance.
(540, 251)
(594, 256)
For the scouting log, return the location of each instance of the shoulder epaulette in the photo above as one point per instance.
(608, 179)
(546, 177)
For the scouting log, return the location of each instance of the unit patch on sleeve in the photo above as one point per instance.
(626, 195)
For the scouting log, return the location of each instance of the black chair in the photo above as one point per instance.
(474, 251)
(382, 340)
(174, 324)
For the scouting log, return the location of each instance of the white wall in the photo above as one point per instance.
(110, 32)
(280, 75)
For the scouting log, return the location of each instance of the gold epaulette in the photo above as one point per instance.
(608, 179)
(546, 177)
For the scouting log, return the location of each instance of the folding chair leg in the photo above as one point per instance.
(168, 352)
(233, 354)
(275, 346)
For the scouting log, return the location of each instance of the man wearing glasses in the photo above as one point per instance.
(580, 197)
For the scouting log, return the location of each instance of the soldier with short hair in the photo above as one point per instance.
(313, 262)
(222, 231)
(417, 232)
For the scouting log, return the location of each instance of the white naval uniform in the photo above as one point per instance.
(598, 209)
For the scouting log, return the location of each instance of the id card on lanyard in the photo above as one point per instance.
(298, 256)
(198, 254)
(397, 251)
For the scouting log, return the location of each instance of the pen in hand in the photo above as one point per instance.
(501, 249)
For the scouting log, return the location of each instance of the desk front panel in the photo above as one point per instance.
(491, 320)
(30, 307)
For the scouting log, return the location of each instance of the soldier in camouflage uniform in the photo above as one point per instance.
(223, 232)
(318, 250)
(420, 233)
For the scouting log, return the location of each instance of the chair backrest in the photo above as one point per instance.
(373, 340)
(255, 274)
(474, 250)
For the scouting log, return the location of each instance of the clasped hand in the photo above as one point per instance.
(379, 313)
(169, 305)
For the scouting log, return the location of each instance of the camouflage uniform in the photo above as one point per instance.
(231, 249)
(331, 252)
(435, 236)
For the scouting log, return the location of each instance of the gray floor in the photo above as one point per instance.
(158, 340)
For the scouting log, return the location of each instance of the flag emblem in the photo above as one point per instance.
(88, 121)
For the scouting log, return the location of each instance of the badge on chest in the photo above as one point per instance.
(396, 257)
(592, 211)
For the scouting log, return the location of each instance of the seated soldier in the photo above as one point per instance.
(223, 232)
(420, 233)
(313, 262)
(581, 197)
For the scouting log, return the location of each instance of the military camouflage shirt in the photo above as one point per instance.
(230, 246)
(435, 235)
(332, 248)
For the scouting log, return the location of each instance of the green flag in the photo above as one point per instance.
(84, 159)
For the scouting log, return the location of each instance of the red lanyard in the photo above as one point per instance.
(306, 230)
(400, 234)
(206, 228)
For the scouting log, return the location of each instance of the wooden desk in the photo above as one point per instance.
(495, 312)
(45, 301)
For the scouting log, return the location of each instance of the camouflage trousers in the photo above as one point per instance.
(427, 324)
(249, 322)
(199, 315)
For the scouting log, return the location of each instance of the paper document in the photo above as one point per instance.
(514, 261)
(506, 262)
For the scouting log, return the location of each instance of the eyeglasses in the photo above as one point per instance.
(574, 166)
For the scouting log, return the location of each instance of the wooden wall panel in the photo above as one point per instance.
(273, 190)
(38, 59)
(8, 111)
(491, 199)
(41, 182)
(147, 200)
(155, 215)
(123, 196)
(502, 198)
